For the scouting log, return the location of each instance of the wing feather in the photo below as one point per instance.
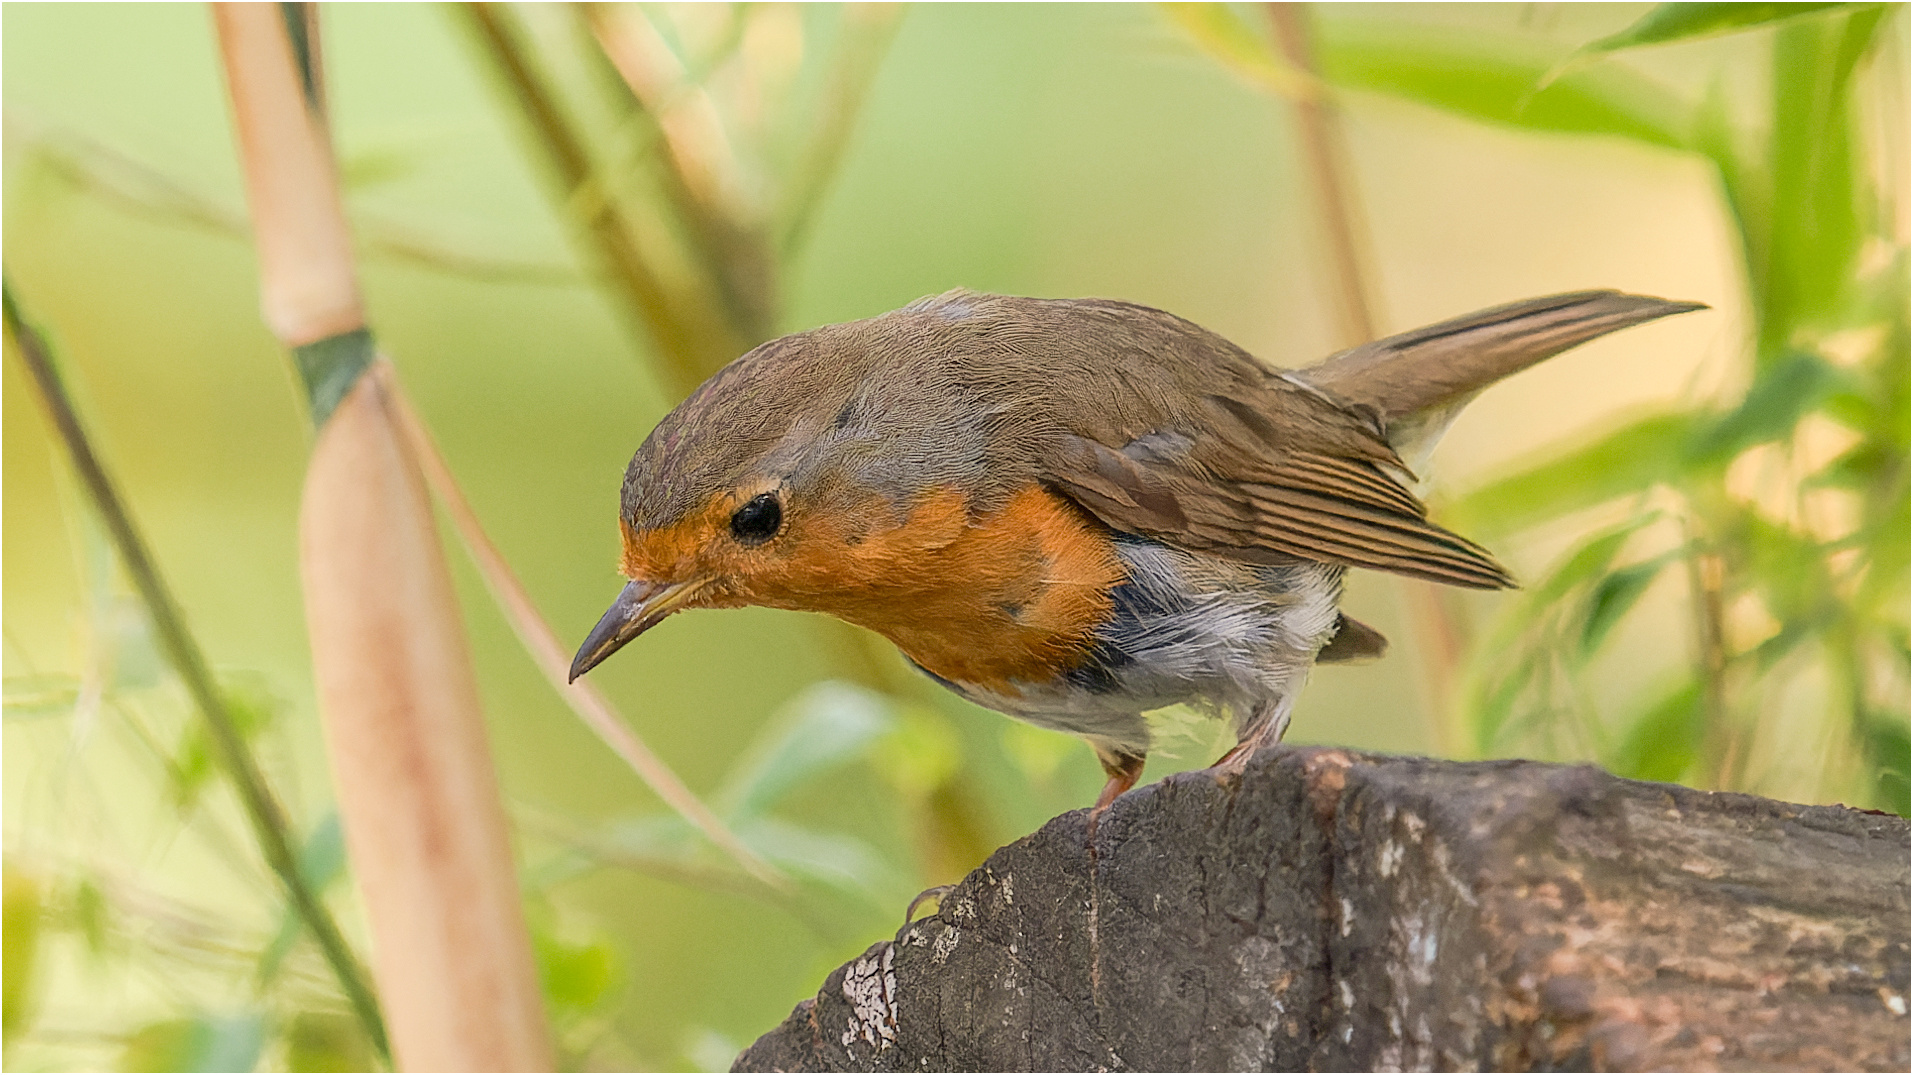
(1267, 506)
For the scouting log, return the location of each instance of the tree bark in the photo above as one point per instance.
(1332, 910)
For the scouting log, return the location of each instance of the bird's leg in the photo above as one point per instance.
(1264, 728)
(1124, 768)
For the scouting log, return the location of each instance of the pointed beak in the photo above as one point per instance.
(638, 609)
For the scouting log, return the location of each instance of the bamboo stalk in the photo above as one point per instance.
(308, 289)
(425, 829)
(417, 792)
(532, 629)
(189, 662)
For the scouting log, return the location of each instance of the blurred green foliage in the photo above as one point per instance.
(789, 165)
(1813, 548)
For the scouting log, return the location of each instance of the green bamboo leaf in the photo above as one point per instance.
(841, 863)
(1684, 22)
(1789, 567)
(825, 726)
(327, 1041)
(21, 912)
(1743, 183)
(1665, 741)
(661, 838)
(205, 1043)
(1589, 560)
(1621, 462)
(1819, 183)
(1490, 714)
(666, 845)
(1522, 640)
(1585, 561)
(1859, 468)
(1888, 745)
(321, 862)
(195, 760)
(1782, 644)
(1782, 394)
(1500, 81)
(575, 976)
(92, 915)
(1613, 596)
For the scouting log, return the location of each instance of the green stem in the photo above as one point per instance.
(182, 651)
(692, 341)
(1326, 158)
(729, 247)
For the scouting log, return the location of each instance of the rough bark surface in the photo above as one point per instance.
(1331, 910)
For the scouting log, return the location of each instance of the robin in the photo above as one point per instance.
(1072, 511)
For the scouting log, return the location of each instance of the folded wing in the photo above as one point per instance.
(1304, 465)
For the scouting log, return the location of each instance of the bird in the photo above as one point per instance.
(1073, 511)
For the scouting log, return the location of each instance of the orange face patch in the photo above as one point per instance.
(1012, 596)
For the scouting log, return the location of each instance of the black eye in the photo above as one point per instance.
(757, 521)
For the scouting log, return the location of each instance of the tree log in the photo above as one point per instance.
(1332, 910)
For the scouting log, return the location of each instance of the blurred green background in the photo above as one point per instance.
(1710, 512)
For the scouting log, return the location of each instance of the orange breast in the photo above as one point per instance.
(1015, 595)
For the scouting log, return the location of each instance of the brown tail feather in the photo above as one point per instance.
(1448, 362)
(1353, 641)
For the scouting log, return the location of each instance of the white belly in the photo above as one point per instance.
(1235, 639)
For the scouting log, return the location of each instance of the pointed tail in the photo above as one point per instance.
(1416, 381)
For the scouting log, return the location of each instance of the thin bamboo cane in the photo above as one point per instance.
(183, 653)
(1326, 157)
(868, 31)
(425, 829)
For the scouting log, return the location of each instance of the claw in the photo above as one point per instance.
(1124, 769)
(1263, 729)
(934, 892)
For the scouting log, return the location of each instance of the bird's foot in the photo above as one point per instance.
(1237, 758)
(933, 894)
(1124, 769)
(1264, 729)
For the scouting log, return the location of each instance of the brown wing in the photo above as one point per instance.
(1270, 465)
(1287, 474)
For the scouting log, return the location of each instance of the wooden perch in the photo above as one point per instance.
(1330, 910)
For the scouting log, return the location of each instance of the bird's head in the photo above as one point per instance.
(762, 487)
